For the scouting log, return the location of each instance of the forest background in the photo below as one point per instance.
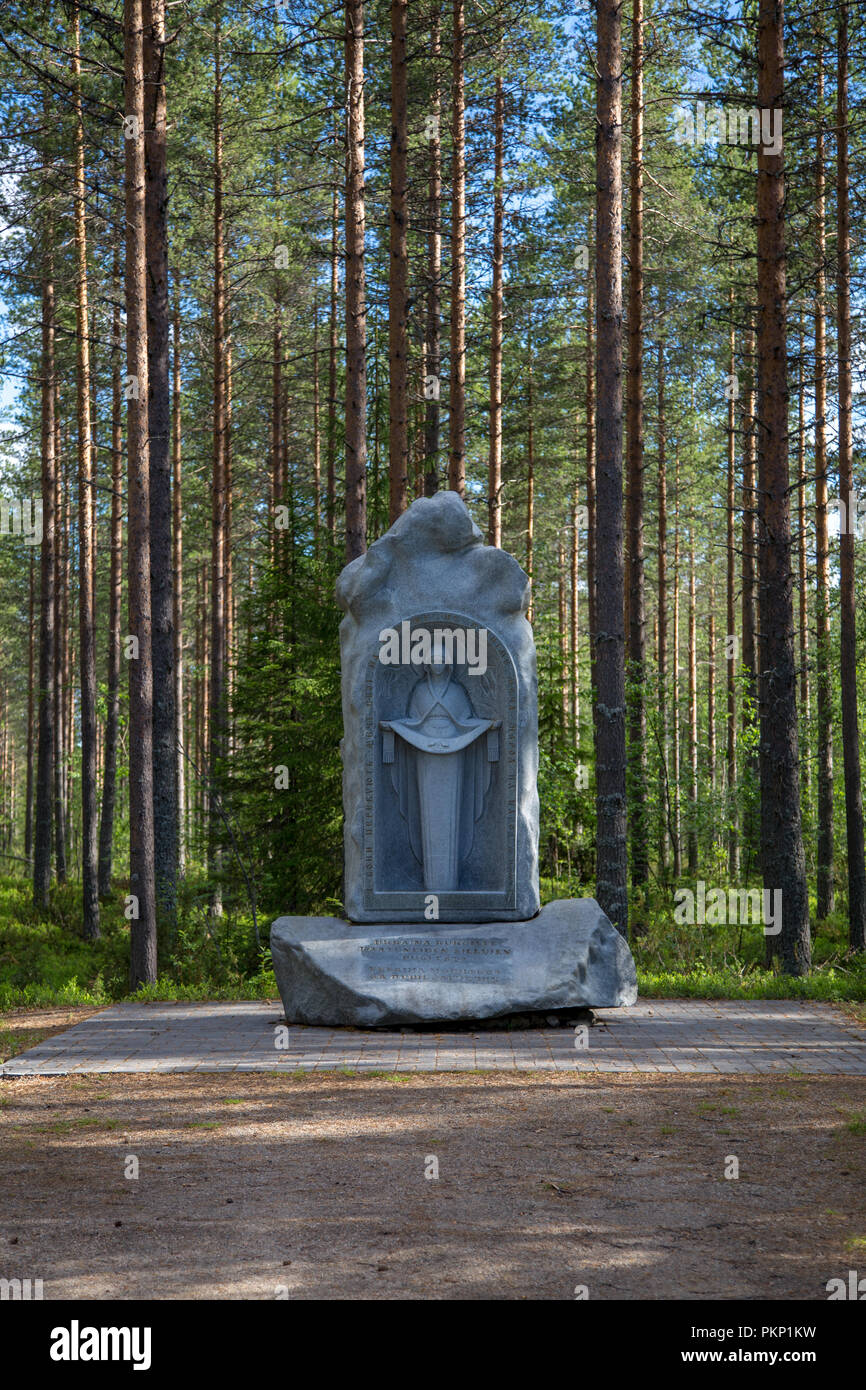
(269, 272)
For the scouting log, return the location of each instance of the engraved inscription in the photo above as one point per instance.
(440, 959)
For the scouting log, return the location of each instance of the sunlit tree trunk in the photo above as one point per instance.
(356, 289)
(847, 594)
(782, 859)
(457, 369)
(611, 857)
(142, 885)
(398, 326)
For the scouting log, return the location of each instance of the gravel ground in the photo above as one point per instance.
(314, 1186)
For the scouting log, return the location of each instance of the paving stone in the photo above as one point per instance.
(685, 1036)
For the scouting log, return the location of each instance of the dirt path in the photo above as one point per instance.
(316, 1185)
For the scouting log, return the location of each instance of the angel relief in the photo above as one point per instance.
(441, 759)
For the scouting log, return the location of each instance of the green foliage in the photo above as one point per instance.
(284, 787)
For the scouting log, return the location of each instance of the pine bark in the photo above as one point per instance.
(398, 324)
(494, 465)
(143, 942)
(356, 289)
(177, 594)
(165, 817)
(434, 272)
(847, 594)
(46, 751)
(217, 720)
(86, 614)
(115, 600)
(611, 857)
(457, 368)
(636, 603)
(826, 896)
(782, 858)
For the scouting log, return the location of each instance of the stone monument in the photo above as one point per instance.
(440, 757)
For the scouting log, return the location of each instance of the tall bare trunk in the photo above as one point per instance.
(143, 964)
(782, 858)
(317, 437)
(165, 817)
(46, 751)
(217, 691)
(731, 617)
(825, 897)
(494, 466)
(662, 618)
(86, 615)
(331, 484)
(398, 326)
(847, 595)
(530, 480)
(591, 625)
(693, 713)
(676, 836)
(750, 831)
(31, 645)
(611, 857)
(356, 289)
(115, 599)
(636, 605)
(62, 685)
(457, 370)
(177, 594)
(803, 573)
(434, 271)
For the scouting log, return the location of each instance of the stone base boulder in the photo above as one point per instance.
(335, 973)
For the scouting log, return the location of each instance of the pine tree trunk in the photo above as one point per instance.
(177, 597)
(217, 690)
(331, 484)
(530, 480)
(142, 884)
(847, 595)
(457, 368)
(317, 438)
(662, 619)
(825, 898)
(62, 692)
(731, 618)
(86, 614)
(115, 600)
(574, 634)
(165, 813)
(434, 272)
(31, 644)
(494, 466)
(750, 829)
(803, 573)
(676, 836)
(782, 858)
(636, 604)
(611, 857)
(46, 752)
(356, 289)
(398, 326)
(591, 625)
(693, 714)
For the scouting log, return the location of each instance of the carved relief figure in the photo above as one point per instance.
(441, 767)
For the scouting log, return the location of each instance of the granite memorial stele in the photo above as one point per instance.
(440, 798)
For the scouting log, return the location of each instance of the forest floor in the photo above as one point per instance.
(317, 1185)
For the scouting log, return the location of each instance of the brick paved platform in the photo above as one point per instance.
(656, 1035)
